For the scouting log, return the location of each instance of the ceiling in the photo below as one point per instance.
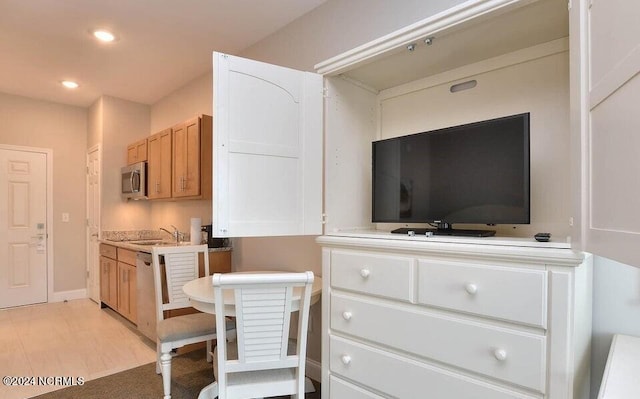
(473, 41)
(161, 44)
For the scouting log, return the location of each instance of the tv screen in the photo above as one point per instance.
(475, 173)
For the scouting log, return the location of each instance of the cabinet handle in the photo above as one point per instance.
(365, 273)
(346, 359)
(347, 315)
(157, 187)
(471, 288)
(500, 354)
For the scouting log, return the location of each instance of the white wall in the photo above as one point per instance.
(340, 25)
(62, 128)
(123, 122)
(193, 99)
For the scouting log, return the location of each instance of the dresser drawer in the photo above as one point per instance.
(509, 355)
(512, 294)
(381, 275)
(404, 378)
(127, 256)
(343, 390)
(108, 250)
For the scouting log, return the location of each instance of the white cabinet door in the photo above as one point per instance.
(610, 42)
(267, 149)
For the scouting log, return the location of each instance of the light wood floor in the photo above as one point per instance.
(72, 339)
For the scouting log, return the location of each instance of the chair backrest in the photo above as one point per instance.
(263, 304)
(180, 266)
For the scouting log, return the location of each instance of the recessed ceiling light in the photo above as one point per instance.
(104, 35)
(69, 84)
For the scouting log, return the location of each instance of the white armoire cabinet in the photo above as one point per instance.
(473, 318)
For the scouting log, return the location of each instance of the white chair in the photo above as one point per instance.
(263, 306)
(180, 267)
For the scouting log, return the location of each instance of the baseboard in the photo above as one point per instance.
(62, 296)
(313, 370)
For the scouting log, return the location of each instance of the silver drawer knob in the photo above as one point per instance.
(471, 288)
(346, 315)
(365, 273)
(346, 359)
(500, 354)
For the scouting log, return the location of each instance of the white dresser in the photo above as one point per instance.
(454, 318)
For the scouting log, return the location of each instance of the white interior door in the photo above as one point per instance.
(267, 149)
(23, 232)
(93, 224)
(612, 45)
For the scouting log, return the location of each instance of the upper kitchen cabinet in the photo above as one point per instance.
(137, 152)
(268, 149)
(191, 166)
(159, 165)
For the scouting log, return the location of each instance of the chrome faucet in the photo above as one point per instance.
(176, 234)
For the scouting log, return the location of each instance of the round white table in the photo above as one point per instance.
(200, 293)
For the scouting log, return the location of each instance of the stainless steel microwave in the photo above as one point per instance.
(134, 181)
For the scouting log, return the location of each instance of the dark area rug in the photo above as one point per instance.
(190, 373)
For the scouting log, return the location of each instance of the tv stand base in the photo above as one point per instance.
(445, 232)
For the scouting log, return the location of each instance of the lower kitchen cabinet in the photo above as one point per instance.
(456, 319)
(126, 286)
(108, 282)
(118, 280)
(127, 304)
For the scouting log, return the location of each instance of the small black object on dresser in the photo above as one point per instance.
(542, 237)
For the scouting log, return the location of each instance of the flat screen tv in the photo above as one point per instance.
(476, 173)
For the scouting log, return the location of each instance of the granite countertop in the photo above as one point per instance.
(135, 245)
(144, 240)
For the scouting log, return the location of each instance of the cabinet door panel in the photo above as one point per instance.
(610, 85)
(159, 166)
(267, 149)
(186, 159)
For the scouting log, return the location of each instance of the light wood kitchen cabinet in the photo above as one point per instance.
(159, 165)
(127, 301)
(118, 280)
(137, 152)
(191, 167)
(127, 298)
(219, 262)
(108, 281)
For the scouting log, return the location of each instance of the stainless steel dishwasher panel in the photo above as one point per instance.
(146, 296)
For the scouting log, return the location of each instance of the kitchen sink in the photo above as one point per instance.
(159, 242)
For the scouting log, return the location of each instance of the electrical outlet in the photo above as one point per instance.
(65, 217)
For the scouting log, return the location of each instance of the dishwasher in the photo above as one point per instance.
(146, 296)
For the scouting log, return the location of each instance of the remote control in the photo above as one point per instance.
(542, 237)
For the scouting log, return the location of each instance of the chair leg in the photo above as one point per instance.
(158, 370)
(165, 361)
